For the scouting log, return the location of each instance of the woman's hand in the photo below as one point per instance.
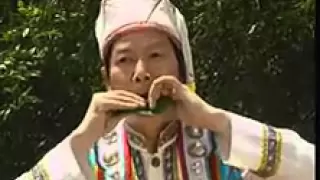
(100, 117)
(191, 109)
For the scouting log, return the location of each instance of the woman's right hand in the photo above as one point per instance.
(100, 118)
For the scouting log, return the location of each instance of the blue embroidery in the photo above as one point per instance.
(227, 172)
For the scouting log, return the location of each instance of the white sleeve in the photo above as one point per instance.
(58, 164)
(261, 148)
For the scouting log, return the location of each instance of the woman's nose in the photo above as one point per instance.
(141, 73)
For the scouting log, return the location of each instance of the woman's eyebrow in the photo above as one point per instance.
(122, 50)
(157, 43)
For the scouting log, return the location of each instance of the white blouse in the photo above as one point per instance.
(246, 152)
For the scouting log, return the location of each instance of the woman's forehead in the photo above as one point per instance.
(144, 38)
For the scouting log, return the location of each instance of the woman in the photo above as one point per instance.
(146, 55)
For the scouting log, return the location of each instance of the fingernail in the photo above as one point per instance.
(174, 90)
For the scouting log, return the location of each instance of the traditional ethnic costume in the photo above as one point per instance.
(257, 151)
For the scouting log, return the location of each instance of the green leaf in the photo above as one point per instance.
(25, 32)
(3, 67)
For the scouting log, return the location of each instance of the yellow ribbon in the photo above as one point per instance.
(191, 86)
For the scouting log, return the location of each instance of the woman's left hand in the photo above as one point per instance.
(190, 108)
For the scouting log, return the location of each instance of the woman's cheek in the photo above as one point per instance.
(118, 78)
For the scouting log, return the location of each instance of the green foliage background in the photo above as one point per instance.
(253, 57)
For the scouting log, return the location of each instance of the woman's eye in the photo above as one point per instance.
(122, 60)
(155, 55)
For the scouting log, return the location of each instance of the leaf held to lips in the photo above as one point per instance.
(161, 105)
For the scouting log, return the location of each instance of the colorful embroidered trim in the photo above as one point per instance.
(271, 152)
(221, 171)
(127, 154)
(191, 86)
(181, 155)
(278, 152)
(214, 166)
(138, 165)
(39, 172)
(264, 146)
(174, 164)
(98, 172)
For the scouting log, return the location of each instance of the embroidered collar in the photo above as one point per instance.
(167, 136)
(113, 158)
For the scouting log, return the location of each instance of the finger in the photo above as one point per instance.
(173, 85)
(173, 93)
(120, 95)
(112, 104)
(165, 92)
(129, 94)
(127, 99)
(167, 82)
(154, 93)
(168, 90)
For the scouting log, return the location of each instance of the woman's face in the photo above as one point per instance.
(139, 57)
